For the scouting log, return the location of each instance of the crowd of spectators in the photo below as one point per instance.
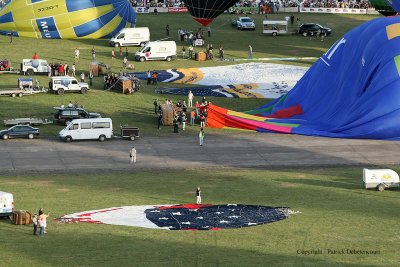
(363, 4)
(167, 3)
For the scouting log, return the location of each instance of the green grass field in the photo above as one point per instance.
(336, 212)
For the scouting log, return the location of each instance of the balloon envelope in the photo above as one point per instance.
(352, 91)
(383, 7)
(68, 19)
(204, 11)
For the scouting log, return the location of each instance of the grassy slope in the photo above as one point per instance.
(335, 213)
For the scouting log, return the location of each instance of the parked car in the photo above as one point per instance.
(35, 66)
(62, 84)
(245, 23)
(19, 131)
(312, 29)
(66, 115)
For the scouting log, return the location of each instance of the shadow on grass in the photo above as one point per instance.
(105, 245)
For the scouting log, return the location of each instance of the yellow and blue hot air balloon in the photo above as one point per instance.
(67, 19)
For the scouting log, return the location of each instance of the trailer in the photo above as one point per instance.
(380, 179)
(130, 132)
(25, 121)
(20, 92)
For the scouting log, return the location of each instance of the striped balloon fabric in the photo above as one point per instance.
(67, 19)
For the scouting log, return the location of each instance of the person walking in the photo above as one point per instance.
(201, 137)
(190, 99)
(132, 155)
(198, 195)
(250, 52)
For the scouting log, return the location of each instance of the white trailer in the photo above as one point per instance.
(275, 27)
(380, 179)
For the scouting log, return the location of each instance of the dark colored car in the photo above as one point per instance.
(19, 131)
(312, 29)
(66, 115)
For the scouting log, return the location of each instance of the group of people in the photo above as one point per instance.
(152, 77)
(40, 221)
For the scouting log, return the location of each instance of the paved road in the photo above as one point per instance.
(236, 150)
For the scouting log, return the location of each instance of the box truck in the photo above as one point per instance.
(159, 50)
(88, 129)
(131, 37)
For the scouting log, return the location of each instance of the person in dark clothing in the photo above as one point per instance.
(155, 103)
(159, 121)
(176, 125)
(167, 29)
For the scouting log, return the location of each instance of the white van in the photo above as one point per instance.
(131, 37)
(86, 129)
(6, 204)
(275, 27)
(159, 50)
(32, 66)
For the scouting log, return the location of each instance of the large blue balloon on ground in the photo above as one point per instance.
(352, 91)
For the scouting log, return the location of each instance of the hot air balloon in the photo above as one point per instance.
(67, 19)
(383, 7)
(204, 11)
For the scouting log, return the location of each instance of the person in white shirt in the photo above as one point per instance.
(132, 155)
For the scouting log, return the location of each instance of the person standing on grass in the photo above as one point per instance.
(42, 222)
(93, 54)
(190, 51)
(124, 62)
(183, 52)
(221, 52)
(91, 78)
(112, 54)
(82, 77)
(132, 155)
(155, 103)
(190, 99)
(159, 121)
(126, 52)
(201, 137)
(35, 223)
(148, 77)
(167, 29)
(198, 195)
(120, 52)
(209, 31)
(250, 52)
(192, 115)
(76, 54)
